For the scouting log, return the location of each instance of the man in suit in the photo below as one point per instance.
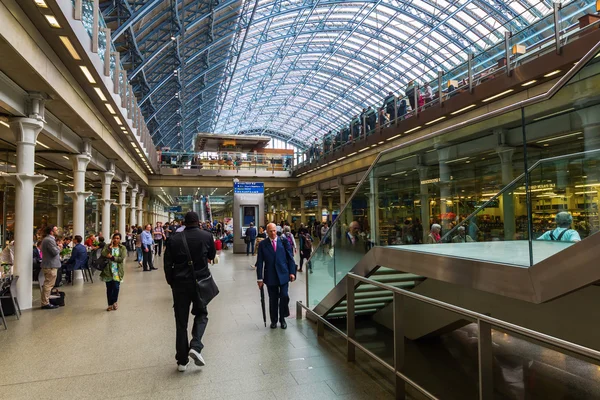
(78, 259)
(250, 237)
(275, 267)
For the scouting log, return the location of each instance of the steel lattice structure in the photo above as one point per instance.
(293, 69)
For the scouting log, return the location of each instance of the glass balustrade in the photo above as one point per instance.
(524, 45)
(493, 191)
(225, 160)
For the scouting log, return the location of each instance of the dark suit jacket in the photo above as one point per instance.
(37, 260)
(275, 268)
(79, 258)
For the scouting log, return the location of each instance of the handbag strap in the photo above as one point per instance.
(189, 256)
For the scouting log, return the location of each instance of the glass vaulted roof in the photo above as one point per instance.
(294, 69)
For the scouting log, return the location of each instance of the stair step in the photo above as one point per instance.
(362, 306)
(400, 277)
(372, 295)
(386, 271)
(370, 288)
(358, 312)
(375, 300)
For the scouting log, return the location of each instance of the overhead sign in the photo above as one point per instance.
(249, 187)
(173, 209)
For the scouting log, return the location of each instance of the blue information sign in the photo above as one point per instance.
(249, 187)
(173, 209)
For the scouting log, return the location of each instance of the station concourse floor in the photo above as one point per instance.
(81, 351)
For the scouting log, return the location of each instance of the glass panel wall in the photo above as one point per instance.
(466, 194)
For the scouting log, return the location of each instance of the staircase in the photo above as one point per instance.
(369, 298)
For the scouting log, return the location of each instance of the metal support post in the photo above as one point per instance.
(470, 63)
(107, 52)
(364, 124)
(486, 358)
(399, 344)
(350, 318)
(507, 36)
(320, 328)
(298, 310)
(395, 111)
(77, 10)
(95, 25)
(557, 7)
(416, 98)
(117, 75)
(440, 92)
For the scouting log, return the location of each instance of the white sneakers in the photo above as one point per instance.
(194, 355)
(182, 368)
(197, 357)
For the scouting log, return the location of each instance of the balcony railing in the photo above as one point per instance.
(223, 160)
(556, 29)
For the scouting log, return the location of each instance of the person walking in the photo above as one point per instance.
(139, 254)
(159, 237)
(50, 265)
(306, 248)
(113, 273)
(201, 249)
(147, 243)
(275, 267)
(250, 238)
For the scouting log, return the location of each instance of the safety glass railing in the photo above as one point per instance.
(516, 49)
(108, 54)
(225, 161)
(466, 194)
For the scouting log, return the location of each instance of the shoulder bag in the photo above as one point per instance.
(207, 288)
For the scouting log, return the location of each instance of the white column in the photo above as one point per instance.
(132, 217)
(97, 217)
(508, 203)
(140, 210)
(107, 178)
(302, 209)
(26, 131)
(60, 205)
(80, 163)
(123, 204)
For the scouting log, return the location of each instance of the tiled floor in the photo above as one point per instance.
(82, 351)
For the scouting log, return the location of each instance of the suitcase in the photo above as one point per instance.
(218, 245)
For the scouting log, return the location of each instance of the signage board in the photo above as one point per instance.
(249, 187)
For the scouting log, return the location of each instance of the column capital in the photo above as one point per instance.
(80, 161)
(78, 195)
(505, 153)
(26, 130)
(122, 205)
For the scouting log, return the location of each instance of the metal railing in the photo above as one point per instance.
(484, 323)
(226, 160)
(465, 76)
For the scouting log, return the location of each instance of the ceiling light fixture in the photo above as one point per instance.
(66, 158)
(529, 83)
(398, 173)
(87, 74)
(553, 114)
(413, 129)
(70, 48)
(559, 137)
(463, 109)
(351, 154)
(549, 74)
(118, 120)
(42, 144)
(361, 150)
(393, 137)
(435, 120)
(100, 94)
(498, 95)
(41, 165)
(110, 108)
(52, 21)
(41, 3)
(457, 160)
(5, 124)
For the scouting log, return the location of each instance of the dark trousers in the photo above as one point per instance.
(158, 246)
(112, 292)
(278, 301)
(147, 258)
(250, 246)
(183, 296)
(305, 255)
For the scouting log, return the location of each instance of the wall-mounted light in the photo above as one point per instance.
(529, 83)
(52, 21)
(498, 95)
(549, 74)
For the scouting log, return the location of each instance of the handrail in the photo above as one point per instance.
(484, 322)
(514, 181)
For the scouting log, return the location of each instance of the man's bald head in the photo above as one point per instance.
(272, 231)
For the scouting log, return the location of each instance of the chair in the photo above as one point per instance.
(3, 317)
(11, 293)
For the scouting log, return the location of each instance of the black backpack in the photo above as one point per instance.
(307, 243)
(100, 263)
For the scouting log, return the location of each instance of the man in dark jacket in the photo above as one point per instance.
(250, 238)
(78, 259)
(183, 285)
(37, 260)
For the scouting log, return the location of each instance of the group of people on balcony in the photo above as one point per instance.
(363, 124)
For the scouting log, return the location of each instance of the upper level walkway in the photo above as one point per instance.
(83, 352)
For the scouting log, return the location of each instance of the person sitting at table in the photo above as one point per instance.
(462, 236)
(563, 231)
(228, 238)
(78, 259)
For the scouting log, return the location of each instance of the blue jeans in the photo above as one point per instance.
(138, 254)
